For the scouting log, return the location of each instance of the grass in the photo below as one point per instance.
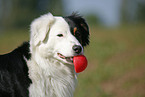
(10, 39)
(116, 61)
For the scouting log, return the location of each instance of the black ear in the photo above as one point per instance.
(76, 21)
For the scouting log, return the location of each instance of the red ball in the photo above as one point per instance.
(80, 63)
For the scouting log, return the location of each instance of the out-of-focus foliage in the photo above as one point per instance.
(20, 13)
(141, 12)
(133, 11)
(92, 19)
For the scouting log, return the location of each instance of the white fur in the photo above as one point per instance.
(51, 76)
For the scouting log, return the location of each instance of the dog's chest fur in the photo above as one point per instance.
(55, 80)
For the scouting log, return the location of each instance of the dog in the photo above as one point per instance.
(43, 66)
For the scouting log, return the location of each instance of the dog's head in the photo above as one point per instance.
(59, 37)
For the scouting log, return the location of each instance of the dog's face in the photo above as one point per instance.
(59, 37)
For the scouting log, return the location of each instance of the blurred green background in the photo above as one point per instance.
(116, 53)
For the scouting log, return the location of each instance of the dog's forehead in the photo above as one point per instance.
(60, 24)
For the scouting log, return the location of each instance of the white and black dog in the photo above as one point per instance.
(43, 67)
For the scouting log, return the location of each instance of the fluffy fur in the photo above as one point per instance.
(43, 67)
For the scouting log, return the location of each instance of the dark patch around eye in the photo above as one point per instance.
(82, 31)
(77, 34)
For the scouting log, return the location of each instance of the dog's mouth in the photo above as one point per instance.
(68, 59)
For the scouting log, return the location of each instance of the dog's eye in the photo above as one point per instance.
(60, 35)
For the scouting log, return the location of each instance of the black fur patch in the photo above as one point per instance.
(79, 28)
(14, 80)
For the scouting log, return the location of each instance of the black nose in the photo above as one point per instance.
(77, 49)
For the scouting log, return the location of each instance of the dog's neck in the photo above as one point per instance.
(51, 78)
